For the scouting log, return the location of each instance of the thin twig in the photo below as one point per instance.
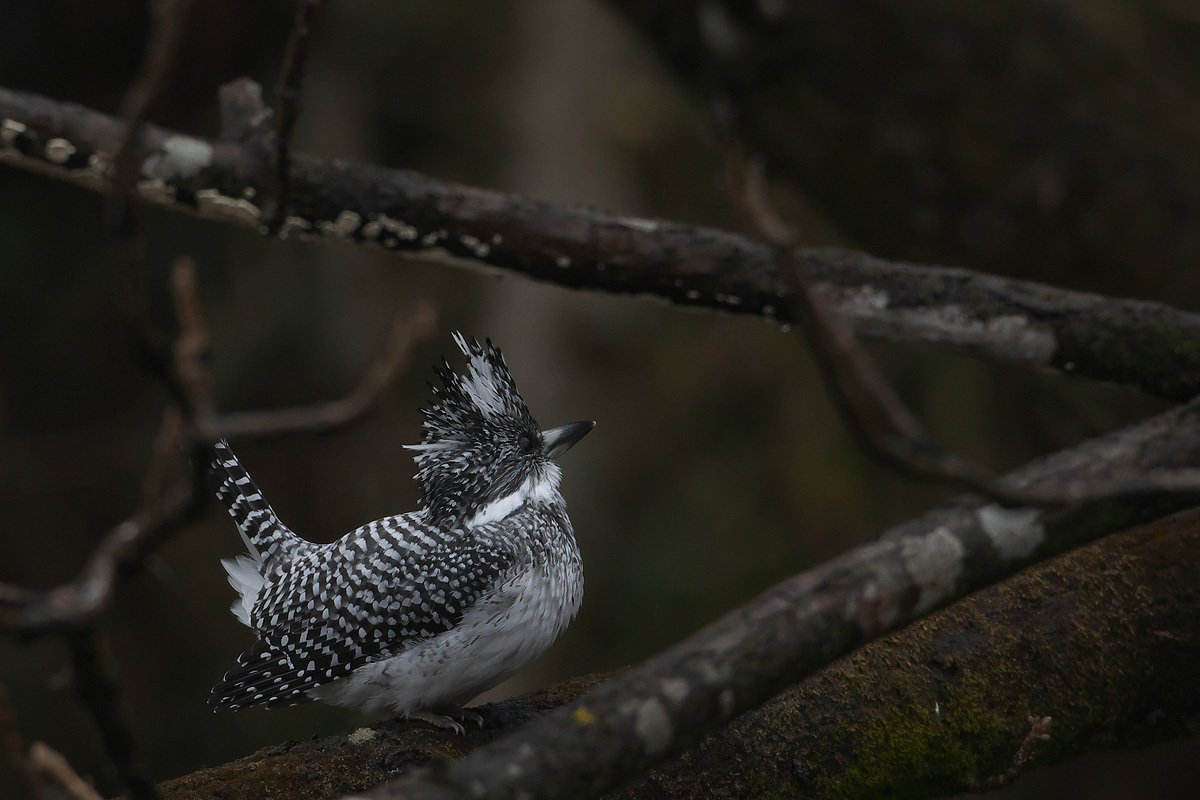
(80, 602)
(191, 349)
(407, 330)
(53, 766)
(96, 683)
(171, 502)
(129, 236)
(1039, 732)
(166, 462)
(870, 408)
(14, 743)
(288, 93)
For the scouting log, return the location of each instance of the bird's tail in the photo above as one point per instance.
(267, 538)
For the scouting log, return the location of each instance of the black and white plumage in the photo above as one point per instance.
(424, 609)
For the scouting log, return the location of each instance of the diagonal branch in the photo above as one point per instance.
(872, 410)
(393, 359)
(1148, 345)
(52, 765)
(171, 501)
(669, 703)
(915, 714)
(167, 19)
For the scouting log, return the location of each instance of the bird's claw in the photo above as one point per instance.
(446, 721)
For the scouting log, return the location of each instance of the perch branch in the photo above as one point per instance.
(1148, 345)
(669, 703)
(955, 685)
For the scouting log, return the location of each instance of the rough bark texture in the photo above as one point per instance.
(662, 707)
(355, 761)
(1097, 639)
(1029, 137)
(1100, 639)
(627, 726)
(1148, 345)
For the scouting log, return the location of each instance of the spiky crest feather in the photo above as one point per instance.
(474, 416)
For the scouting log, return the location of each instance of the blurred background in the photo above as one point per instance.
(717, 467)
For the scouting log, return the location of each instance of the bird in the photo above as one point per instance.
(415, 614)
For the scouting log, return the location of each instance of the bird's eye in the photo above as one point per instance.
(526, 444)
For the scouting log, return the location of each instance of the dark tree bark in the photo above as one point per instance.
(1148, 345)
(1092, 639)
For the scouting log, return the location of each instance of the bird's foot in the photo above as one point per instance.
(446, 720)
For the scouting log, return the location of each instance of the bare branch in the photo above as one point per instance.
(53, 766)
(24, 612)
(870, 408)
(96, 683)
(1147, 345)
(407, 330)
(14, 744)
(676, 698)
(190, 353)
(288, 94)
(1039, 732)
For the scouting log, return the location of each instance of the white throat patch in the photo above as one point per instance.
(536, 490)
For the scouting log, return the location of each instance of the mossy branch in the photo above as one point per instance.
(1095, 639)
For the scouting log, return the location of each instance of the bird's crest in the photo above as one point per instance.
(475, 418)
(465, 405)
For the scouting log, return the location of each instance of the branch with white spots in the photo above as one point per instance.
(871, 409)
(672, 701)
(1148, 345)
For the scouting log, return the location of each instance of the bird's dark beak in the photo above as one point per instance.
(559, 440)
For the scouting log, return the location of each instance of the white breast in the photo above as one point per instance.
(496, 637)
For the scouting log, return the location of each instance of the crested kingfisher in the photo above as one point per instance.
(418, 613)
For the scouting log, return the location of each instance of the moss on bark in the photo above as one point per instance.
(1101, 639)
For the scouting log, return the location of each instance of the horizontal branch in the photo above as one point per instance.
(1148, 345)
(955, 691)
